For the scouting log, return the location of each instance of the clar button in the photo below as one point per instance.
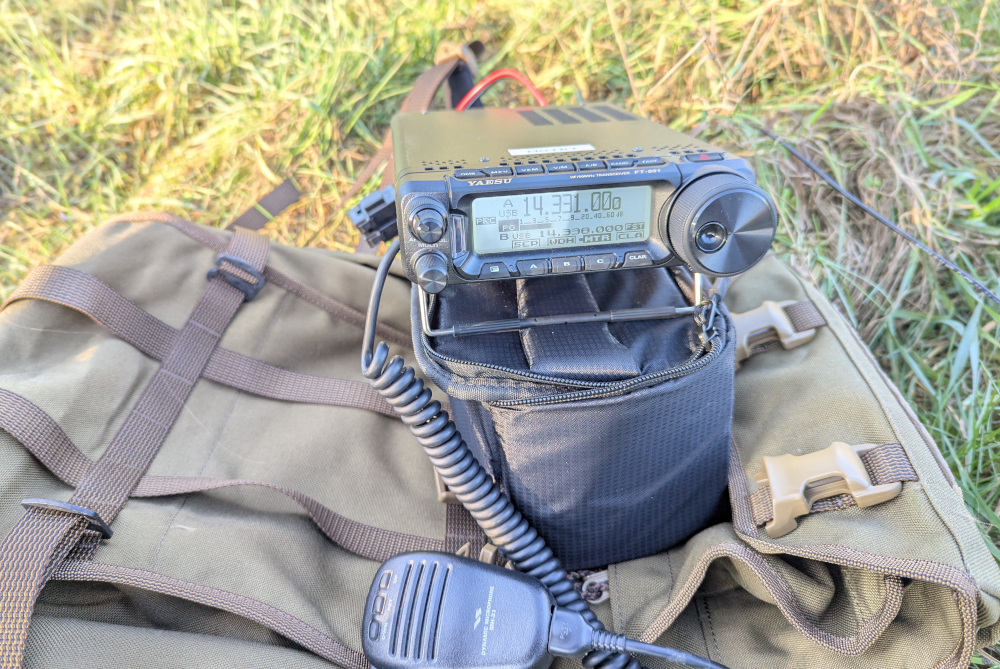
(638, 259)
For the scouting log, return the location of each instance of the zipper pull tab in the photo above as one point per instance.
(705, 318)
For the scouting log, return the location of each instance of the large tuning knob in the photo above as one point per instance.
(722, 224)
(432, 272)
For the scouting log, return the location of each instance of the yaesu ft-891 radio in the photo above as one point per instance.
(487, 194)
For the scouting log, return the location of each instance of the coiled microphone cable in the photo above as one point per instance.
(455, 463)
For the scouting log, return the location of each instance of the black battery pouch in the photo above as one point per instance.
(613, 439)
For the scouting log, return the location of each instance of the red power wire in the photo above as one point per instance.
(492, 78)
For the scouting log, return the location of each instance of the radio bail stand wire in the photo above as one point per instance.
(512, 324)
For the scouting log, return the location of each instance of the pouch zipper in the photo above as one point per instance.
(612, 388)
(589, 389)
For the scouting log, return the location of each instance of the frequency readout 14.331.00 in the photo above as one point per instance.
(566, 218)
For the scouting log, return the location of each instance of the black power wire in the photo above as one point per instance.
(455, 463)
(856, 201)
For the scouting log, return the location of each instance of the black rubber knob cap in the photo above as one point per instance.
(428, 225)
(721, 224)
(432, 272)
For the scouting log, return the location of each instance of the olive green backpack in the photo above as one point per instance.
(193, 472)
(253, 481)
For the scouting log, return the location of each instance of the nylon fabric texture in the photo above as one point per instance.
(43, 438)
(65, 286)
(241, 575)
(593, 475)
(158, 529)
(41, 539)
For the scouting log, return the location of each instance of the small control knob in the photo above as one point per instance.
(428, 225)
(432, 272)
(721, 224)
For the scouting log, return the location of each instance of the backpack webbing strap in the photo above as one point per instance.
(866, 630)
(205, 236)
(269, 206)
(44, 439)
(418, 100)
(283, 623)
(886, 463)
(127, 321)
(41, 538)
(461, 528)
(804, 316)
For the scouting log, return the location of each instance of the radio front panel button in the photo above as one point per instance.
(457, 222)
(555, 168)
(498, 171)
(468, 174)
(599, 261)
(648, 160)
(620, 162)
(638, 259)
(703, 157)
(565, 265)
(532, 267)
(588, 165)
(529, 169)
(494, 270)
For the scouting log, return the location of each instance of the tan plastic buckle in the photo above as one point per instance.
(798, 481)
(762, 324)
(445, 496)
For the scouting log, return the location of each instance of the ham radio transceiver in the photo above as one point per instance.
(487, 194)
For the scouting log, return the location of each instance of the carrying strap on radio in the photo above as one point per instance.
(454, 69)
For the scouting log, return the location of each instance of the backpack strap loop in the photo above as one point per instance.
(38, 543)
(268, 207)
(96, 523)
(235, 271)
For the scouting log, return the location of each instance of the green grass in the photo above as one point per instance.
(199, 107)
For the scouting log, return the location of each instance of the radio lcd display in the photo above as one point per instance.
(564, 219)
